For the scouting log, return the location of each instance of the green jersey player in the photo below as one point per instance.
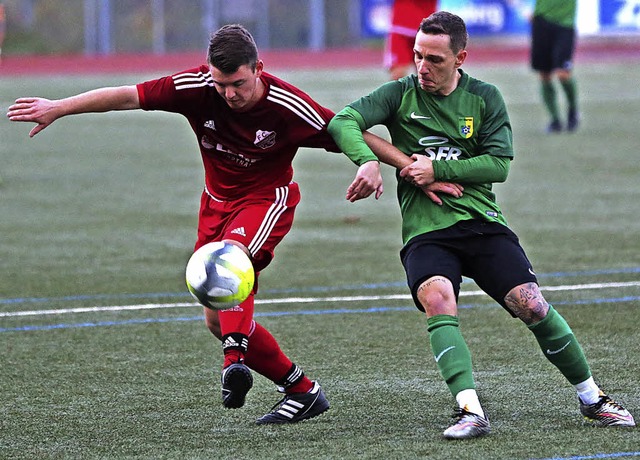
(446, 126)
(553, 33)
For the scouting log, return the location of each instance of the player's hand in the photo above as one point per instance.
(420, 172)
(448, 188)
(367, 181)
(33, 109)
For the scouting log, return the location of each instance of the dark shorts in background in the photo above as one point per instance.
(552, 45)
(488, 253)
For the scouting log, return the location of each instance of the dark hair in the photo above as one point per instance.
(445, 23)
(230, 47)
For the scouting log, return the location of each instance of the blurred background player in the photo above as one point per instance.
(3, 27)
(553, 35)
(398, 51)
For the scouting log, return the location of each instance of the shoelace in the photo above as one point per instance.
(607, 400)
(279, 403)
(460, 412)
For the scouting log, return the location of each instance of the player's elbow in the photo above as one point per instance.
(337, 125)
(502, 167)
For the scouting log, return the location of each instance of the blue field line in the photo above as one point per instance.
(630, 298)
(333, 311)
(337, 311)
(309, 289)
(587, 457)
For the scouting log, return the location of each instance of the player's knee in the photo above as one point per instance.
(437, 297)
(527, 303)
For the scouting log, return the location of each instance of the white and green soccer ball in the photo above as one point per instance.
(220, 275)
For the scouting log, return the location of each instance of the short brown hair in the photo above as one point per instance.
(445, 23)
(230, 47)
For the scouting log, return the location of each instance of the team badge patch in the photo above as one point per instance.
(265, 139)
(465, 125)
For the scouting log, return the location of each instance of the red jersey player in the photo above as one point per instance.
(249, 125)
(398, 51)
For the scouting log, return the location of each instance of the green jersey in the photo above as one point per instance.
(470, 123)
(562, 12)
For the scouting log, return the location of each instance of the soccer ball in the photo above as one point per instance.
(220, 275)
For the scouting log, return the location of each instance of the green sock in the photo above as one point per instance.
(570, 90)
(549, 98)
(451, 353)
(561, 347)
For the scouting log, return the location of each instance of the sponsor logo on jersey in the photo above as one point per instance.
(210, 124)
(237, 158)
(265, 139)
(465, 125)
(436, 150)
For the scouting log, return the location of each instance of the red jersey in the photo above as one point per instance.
(243, 152)
(407, 15)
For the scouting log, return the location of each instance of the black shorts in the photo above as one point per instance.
(489, 253)
(552, 45)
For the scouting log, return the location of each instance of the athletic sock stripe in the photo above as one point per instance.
(274, 212)
(297, 106)
(296, 374)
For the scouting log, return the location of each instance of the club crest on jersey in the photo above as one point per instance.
(210, 124)
(265, 139)
(465, 125)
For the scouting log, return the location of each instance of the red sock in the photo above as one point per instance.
(235, 324)
(266, 358)
(237, 319)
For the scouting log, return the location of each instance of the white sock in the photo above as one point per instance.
(588, 391)
(468, 399)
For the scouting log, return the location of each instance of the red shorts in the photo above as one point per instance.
(258, 223)
(405, 21)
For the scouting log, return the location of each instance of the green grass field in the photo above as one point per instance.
(100, 211)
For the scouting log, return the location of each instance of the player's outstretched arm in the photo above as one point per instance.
(45, 111)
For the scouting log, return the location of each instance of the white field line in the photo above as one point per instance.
(287, 300)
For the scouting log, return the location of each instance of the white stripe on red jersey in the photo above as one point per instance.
(192, 80)
(297, 105)
(275, 211)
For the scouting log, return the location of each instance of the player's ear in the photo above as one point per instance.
(259, 68)
(460, 57)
